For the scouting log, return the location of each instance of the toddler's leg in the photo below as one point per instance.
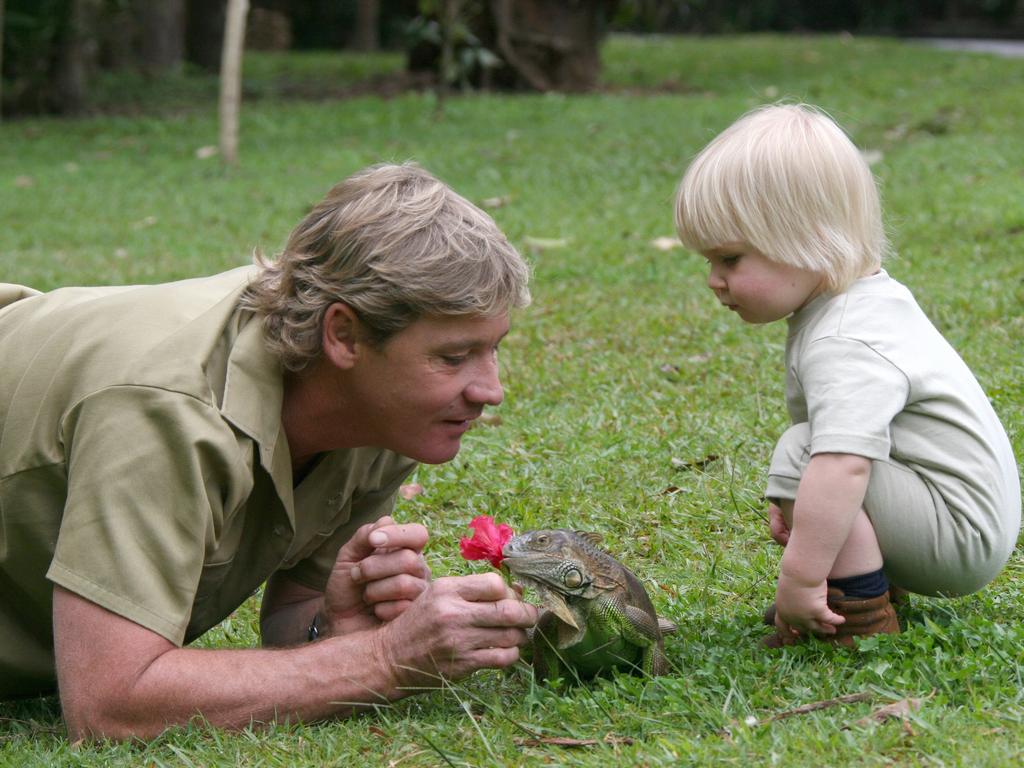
(858, 588)
(926, 546)
(860, 553)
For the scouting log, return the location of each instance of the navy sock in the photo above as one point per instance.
(865, 585)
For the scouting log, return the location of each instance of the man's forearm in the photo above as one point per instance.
(238, 687)
(120, 680)
(830, 496)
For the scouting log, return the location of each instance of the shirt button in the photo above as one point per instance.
(280, 530)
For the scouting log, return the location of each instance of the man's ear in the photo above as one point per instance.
(341, 333)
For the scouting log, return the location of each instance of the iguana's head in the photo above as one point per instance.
(558, 564)
(556, 558)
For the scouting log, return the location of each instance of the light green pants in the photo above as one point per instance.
(927, 547)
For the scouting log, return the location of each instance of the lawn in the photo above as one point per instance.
(635, 406)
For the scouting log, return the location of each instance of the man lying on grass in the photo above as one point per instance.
(167, 449)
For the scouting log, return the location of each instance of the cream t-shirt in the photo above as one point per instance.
(872, 376)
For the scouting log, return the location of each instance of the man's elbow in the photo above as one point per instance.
(105, 717)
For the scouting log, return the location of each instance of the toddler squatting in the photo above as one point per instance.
(896, 471)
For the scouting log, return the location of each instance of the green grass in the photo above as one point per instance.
(624, 363)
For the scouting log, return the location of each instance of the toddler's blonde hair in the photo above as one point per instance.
(789, 182)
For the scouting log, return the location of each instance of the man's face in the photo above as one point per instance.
(756, 288)
(418, 392)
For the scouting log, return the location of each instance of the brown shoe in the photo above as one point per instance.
(898, 596)
(864, 617)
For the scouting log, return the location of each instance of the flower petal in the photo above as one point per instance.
(487, 540)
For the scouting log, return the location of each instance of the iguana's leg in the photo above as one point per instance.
(639, 627)
(643, 630)
(547, 664)
(655, 662)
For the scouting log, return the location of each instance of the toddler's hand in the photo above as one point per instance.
(801, 608)
(777, 525)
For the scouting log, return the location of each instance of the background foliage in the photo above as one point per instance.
(53, 50)
(635, 405)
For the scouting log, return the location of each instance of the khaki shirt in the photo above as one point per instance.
(143, 465)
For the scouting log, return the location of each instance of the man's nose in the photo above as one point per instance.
(486, 385)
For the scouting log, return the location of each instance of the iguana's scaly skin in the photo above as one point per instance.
(598, 615)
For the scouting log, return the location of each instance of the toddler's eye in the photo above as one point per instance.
(730, 261)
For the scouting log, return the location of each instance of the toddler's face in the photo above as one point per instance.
(754, 287)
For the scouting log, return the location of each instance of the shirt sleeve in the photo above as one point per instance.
(151, 476)
(853, 393)
(374, 500)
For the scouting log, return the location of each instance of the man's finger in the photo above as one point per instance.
(384, 534)
(399, 587)
(394, 536)
(393, 563)
(477, 587)
(391, 609)
(506, 613)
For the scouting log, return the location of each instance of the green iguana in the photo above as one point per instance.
(598, 615)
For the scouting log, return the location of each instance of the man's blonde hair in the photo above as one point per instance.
(395, 244)
(787, 180)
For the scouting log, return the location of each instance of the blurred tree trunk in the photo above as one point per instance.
(542, 45)
(204, 32)
(231, 79)
(76, 56)
(552, 44)
(118, 30)
(446, 63)
(161, 35)
(367, 32)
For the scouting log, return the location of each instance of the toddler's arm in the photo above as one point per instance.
(828, 500)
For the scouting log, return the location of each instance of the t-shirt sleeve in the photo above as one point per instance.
(853, 393)
(151, 475)
(375, 499)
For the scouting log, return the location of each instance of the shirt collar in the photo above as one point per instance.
(802, 316)
(253, 394)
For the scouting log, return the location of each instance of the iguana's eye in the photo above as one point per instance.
(542, 539)
(572, 578)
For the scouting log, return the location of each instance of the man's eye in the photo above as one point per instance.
(453, 360)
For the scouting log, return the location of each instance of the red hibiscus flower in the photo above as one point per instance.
(487, 540)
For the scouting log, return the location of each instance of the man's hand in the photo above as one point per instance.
(458, 625)
(376, 576)
(120, 680)
(777, 525)
(802, 607)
